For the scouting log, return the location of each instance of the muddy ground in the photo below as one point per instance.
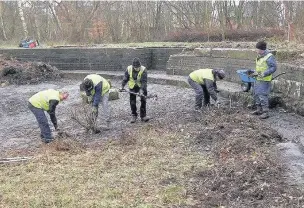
(225, 135)
(19, 130)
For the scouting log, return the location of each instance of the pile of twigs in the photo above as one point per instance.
(84, 116)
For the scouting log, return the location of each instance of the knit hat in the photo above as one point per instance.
(88, 84)
(262, 45)
(136, 63)
(220, 73)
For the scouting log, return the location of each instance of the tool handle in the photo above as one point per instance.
(278, 75)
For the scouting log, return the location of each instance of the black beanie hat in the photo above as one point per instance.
(136, 63)
(262, 45)
(88, 84)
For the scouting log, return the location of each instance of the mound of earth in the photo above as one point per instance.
(20, 73)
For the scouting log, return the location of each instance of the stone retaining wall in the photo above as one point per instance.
(103, 59)
(289, 86)
(229, 59)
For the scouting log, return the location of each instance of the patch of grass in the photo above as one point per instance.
(153, 44)
(149, 172)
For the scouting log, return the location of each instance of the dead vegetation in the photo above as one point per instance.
(83, 115)
(246, 170)
(17, 72)
(223, 157)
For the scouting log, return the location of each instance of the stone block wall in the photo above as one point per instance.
(103, 59)
(229, 59)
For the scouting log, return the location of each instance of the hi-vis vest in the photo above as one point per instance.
(201, 74)
(133, 82)
(42, 99)
(261, 66)
(96, 79)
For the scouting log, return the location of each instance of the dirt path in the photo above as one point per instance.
(289, 125)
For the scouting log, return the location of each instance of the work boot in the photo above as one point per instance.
(145, 119)
(197, 108)
(264, 115)
(258, 111)
(252, 107)
(133, 120)
(96, 130)
(106, 127)
(47, 140)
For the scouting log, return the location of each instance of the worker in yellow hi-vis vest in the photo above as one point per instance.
(203, 81)
(265, 66)
(136, 77)
(46, 100)
(97, 89)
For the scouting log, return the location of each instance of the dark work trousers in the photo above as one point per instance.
(201, 92)
(45, 130)
(206, 95)
(133, 103)
(261, 94)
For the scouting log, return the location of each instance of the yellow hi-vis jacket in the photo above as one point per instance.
(96, 79)
(133, 82)
(198, 76)
(42, 99)
(261, 67)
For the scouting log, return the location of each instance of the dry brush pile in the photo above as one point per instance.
(84, 116)
(17, 72)
(246, 170)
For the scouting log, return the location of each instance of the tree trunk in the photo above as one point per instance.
(25, 31)
(36, 22)
(57, 21)
(2, 22)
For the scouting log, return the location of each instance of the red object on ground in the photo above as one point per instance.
(32, 45)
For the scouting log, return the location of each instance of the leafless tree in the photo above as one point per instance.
(134, 21)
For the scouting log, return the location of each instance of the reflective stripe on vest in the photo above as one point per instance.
(201, 74)
(96, 79)
(133, 82)
(261, 66)
(42, 99)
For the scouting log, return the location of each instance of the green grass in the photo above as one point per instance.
(140, 171)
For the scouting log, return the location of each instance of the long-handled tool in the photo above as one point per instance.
(278, 75)
(140, 95)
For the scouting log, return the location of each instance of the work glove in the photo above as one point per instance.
(257, 74)
(217, 103)
(94, 109)
(254, 74)
(90, 99)
(122, 89)
(260, 74)
(141, 92)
